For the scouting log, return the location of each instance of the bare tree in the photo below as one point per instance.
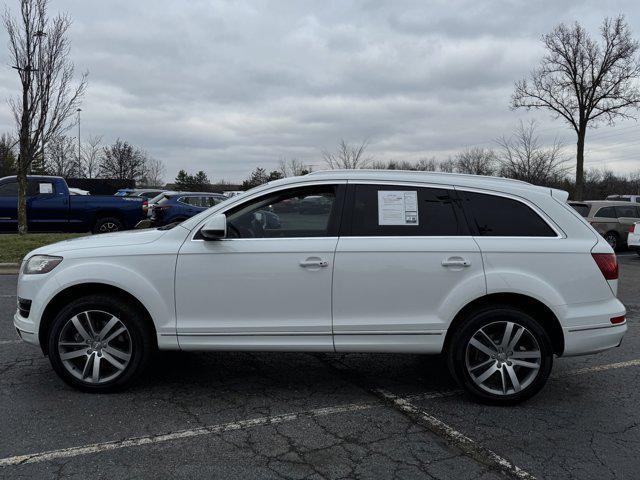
(523, 157)
(39, 50)
(293, 167)
(476, 160)
(91, 151)
(347, 156)
(583, 81)
(7, 155)
(123, 161)
(155, 171)
(447, 166)
(60, 158)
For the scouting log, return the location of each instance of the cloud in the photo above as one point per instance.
(225, 86)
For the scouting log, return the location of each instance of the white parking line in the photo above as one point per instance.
(600, 368)
(181, 434)
(404, 403)
(10, 342)
(4, 295)
(455, 438)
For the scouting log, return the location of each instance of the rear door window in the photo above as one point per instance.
(496, 216)
(606, 212)
(630, 211)
(438, 212)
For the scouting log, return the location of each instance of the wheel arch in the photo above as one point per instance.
(83, 289)
(548, 320)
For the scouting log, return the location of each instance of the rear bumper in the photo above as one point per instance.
(633, 241)
(588, 329)
(593, 340)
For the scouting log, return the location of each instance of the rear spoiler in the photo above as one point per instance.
(561, 195)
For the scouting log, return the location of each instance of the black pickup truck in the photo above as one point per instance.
(51, 208)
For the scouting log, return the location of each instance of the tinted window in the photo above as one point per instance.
(497, 216)
(9, 189)
(301, 212)
(606, 212)
(581, 208)
(438, 213)
(627, 211)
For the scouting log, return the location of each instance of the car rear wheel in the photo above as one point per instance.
(107, 224)
(612, 239)
(99, 344)
(501, 355)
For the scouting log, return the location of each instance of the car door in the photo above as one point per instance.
(268, 284)
(405, 265)
(47, 208)
(9, 206)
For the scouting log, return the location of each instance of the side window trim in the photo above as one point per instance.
(474, 231)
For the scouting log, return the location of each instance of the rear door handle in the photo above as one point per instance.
(313, 262)
(456, 262)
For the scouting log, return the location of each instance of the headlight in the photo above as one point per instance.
(41, 264)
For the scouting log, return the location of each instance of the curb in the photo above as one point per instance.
(9, 268)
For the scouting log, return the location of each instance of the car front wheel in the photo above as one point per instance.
(99, 343)
(501, 355)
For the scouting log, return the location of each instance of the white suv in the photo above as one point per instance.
(499, 275)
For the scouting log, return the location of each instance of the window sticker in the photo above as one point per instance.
(46, 187)
(397, 207)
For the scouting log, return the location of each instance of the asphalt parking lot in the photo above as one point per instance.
(245, 415)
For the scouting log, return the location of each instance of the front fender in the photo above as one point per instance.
(156, 295)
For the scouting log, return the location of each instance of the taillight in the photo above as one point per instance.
(145, 205)
(608, 264)
(632, 228)
(617, 320)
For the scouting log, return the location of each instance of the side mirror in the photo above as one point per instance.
(215, 228)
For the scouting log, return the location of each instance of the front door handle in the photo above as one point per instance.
(313, 262)
(456, 262)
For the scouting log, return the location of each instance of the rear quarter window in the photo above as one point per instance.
(496, 216)
(581, 208)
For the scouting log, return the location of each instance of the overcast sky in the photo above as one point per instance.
(225, 86)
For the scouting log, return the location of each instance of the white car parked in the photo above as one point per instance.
(500, 275)
(633, 238)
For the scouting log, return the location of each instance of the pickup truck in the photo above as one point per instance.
(50, 208)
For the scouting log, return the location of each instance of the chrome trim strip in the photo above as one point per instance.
(582, 329)
(359, 332)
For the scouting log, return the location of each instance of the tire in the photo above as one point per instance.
(612, 239)
(469, 364)
(121, 358)
(107, 225)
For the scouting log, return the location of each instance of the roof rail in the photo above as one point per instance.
(418, 172)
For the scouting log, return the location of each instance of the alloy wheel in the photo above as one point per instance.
(612, 240)
(503, 358)
(95, 346)
(108, 227)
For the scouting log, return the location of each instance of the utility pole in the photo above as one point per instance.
(40, 34)
(79, 152)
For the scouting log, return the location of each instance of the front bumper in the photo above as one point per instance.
(26, 329)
